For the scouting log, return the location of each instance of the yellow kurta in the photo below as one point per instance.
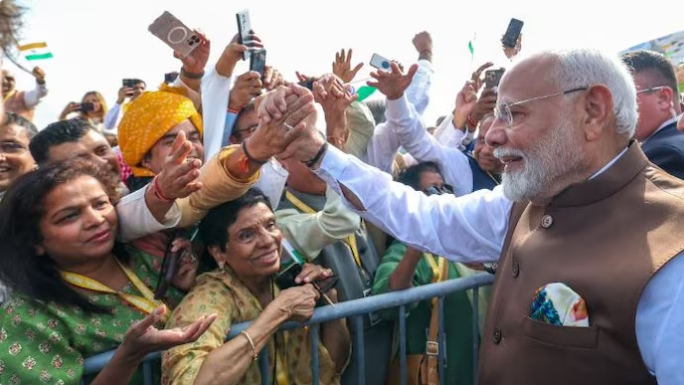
(222, 293)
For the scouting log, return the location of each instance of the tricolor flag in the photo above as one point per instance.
(35, 51)
(471, 48)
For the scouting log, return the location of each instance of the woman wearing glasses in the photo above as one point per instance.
(244, 240)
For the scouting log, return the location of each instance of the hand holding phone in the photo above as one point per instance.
(86, 107)
(258, 62)
(510, 38)
(493, 77)
(380, 62)
(175, 34)
(244, 31)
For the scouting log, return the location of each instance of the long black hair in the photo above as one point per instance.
(21, 210)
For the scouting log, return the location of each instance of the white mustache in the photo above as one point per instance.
(501, 152)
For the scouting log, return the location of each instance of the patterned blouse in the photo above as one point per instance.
(223, 293)
(48, 344)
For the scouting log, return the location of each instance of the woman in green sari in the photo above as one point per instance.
(75, 292)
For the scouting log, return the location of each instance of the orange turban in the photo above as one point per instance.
(148, 118)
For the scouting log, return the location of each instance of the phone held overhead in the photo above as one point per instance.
(510, 38)
(175, 34)
(258, 62)
(244, 31)
(380, 62)
(493, 77)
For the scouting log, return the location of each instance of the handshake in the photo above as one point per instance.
(287, 122)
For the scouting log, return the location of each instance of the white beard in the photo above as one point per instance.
(552, 156)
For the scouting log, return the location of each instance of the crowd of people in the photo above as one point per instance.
(220, 198)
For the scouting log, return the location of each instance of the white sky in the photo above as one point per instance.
(97, 43)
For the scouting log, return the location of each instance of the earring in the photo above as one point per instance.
(222, 265)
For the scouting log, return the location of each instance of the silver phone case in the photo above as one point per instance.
(175, 34)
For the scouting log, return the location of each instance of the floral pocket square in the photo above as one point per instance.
(557, 304)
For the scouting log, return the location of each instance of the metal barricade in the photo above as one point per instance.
(355, 309)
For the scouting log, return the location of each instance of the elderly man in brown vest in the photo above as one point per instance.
(580, 206)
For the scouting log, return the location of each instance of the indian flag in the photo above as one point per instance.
(35, 51)
(471, 47)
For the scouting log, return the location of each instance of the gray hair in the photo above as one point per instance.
(587, 67)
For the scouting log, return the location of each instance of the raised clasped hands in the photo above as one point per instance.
(285, 114)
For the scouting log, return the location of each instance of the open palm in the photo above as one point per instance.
(393, 83)
(144, 337)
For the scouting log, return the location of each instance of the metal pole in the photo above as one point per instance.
(360, 349)
(315, 366)
(476, 331)
(402, 345)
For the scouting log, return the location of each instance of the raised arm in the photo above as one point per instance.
(469, 228)
(410, 129)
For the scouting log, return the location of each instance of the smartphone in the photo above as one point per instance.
(258, 62)
(493, 77)
(130, 83)
(175, 34)
(86, 107)
(510, 38)
(168, 268)
(244, 30)
(380, 62)
(308, 84)
(170, 77)
(286, 277)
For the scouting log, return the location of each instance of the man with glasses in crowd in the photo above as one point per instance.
(581, 216)
(659, 106)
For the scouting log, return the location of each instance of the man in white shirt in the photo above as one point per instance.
(23, 103)
(128, 92)
(563, 127)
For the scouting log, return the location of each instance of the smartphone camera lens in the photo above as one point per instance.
(385, 64)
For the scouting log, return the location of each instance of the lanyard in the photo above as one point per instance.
(146, 303)
(282, 375)
(9, 95)
(437, 270)
(349, 241)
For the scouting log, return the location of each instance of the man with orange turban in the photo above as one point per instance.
(149, 128)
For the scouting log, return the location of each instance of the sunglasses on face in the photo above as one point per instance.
(439, 190)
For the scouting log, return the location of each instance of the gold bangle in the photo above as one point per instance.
(251, 343)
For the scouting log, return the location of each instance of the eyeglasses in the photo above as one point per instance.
(503, 111)
(11, 148)
(652, 89)
(439, 190)
(249, 130)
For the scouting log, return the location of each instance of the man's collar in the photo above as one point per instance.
(665, 124)
(610, 179)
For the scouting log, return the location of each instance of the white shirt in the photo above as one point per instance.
(111, 121)
(422, 146)
(33, 97)
(472, 228)
(136, 220)
(215, 96)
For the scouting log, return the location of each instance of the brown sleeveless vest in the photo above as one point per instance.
(605, 239)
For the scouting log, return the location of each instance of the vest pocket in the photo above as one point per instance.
(571, 336)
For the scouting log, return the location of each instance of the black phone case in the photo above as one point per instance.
(510, 38)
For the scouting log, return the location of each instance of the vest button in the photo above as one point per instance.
(547, 221)
(497, 336)
(515, 269)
